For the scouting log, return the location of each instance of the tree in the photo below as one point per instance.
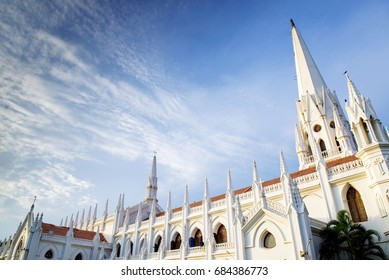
(342, 239)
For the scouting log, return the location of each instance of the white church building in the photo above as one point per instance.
(343, 164)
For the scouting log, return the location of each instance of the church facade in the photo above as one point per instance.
(343, 164)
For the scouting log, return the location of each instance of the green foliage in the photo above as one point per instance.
(342, 239)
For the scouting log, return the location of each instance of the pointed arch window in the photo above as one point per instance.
(366, 132)
(338, 144)
(157, 244)
(221, 236)
(49, 254)
(269, 241)
(356, 206)
(322, 145)
(309, 150)
(176, 243)
(198, 238)
(118, 249)
(78, 257)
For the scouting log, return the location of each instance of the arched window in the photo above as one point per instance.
(221, 236)
(366, 131)
(118, 249)
(157, 244)
(322, 145)
(198, 238)
(338, 145)
(309, 150)
(131, 247)
(356, 206)
(49, 254)
(269, 241)
(78, 257)
(176, 243)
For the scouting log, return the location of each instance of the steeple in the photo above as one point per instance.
(316, 107)
(152, 186)
(309, 78)
(366, 126)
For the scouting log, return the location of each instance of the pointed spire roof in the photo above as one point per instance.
(186, 196)
(309, 78)
(206, 190)
(283, 167)
(255, 173)
(354, 94)
(229, 181)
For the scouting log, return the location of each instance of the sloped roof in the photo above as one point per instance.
(78, 233)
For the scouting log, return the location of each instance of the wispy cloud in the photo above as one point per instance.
(58, 106)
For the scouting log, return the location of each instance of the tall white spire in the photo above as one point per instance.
(152, 186)
(309, 78)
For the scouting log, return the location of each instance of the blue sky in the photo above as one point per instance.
(90, 89)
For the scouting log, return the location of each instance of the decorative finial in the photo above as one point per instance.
(292, 23)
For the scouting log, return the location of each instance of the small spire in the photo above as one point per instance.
(119, 203)
(186, 196)
(82, 218)
(60, 224)
(105, 213)
(122, 206)
(97, 235)
(255, 173)
(284, 169)
(33, 204)
(71, 220)
(139, 214)
(229, 181)
(66, 221)
(292, 23)
(127, 218)
(169, 202)
(206, 191)
(89, 216)
(76, 222)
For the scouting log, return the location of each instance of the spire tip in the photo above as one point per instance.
(292, 23)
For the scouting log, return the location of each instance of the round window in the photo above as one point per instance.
(317, 128)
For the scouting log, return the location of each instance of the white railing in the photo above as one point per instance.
(345, 167)
(160, 219)
(197, 249)
(218, 203)
(172, 252)
(306, 178)
(152, 255)
(254, 211)
(324, 154)
(245, 195)
(196, 209)
(177, 214)
(276, 208)
(273, 188)
(224, 246)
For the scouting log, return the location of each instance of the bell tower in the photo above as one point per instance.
(322, 130)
